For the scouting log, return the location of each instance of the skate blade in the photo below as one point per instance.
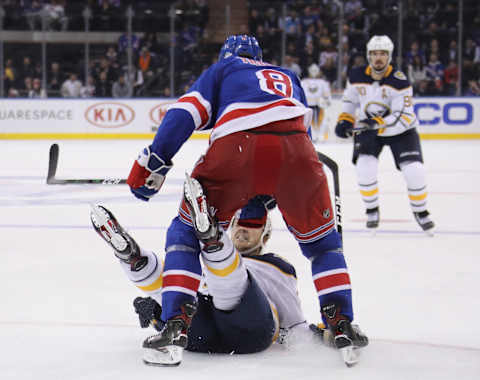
(100, 219)
(168, 356)
(429, 232)
(349, 355)
(192, 193)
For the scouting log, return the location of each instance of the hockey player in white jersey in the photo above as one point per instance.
(319, 98)
(242, 289)
(382, 98)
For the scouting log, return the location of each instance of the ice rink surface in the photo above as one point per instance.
(66, 308)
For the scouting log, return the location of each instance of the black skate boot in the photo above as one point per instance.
(346, 337)
(424, 221)
(166, 348)
(124, 247)
(373, 217)
(205, 225)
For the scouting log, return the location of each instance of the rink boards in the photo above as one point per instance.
(439, 118)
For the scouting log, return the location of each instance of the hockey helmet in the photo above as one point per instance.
(254, 215)
(380, 43)
(241, 46)
(313, 70)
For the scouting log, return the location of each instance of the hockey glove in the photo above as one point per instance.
(149, 312)
(147, 174)
(368, 124)
(344, 129)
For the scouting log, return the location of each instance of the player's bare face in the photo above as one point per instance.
(245, 238)
(378, 59)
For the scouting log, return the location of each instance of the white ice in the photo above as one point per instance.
(66, 308)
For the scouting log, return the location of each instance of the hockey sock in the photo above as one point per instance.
(226, 275)
(414, 174)
(149, 278)
(367, 171)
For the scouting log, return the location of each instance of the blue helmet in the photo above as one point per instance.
(241, 46)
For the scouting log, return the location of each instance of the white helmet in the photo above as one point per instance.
(313, 70)
(380, 43)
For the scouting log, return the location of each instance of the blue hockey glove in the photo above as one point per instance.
(147, 174)
(344, 129)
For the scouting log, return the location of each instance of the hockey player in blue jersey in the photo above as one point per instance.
(259, 295)
(258, 146)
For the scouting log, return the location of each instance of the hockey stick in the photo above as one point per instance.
(332, 165)
(52, 170)
(365, 127)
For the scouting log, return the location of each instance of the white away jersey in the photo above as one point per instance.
(317, 91)
(385, 100)
(278, 280)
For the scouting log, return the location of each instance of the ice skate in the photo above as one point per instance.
(124, 247)
(205, 225)
(424, 221)
(347, 338)
(373, 219)
(166, 348)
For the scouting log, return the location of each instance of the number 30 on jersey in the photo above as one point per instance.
(275, 82)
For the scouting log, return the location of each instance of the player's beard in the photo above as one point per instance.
(379, 66)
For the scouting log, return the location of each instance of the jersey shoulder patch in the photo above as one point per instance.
(398, 80)
(276, 261)
(399, 75)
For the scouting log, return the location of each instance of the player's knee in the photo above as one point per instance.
(331, 242)
(180, 233)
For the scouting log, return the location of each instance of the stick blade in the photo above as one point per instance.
(52, 163)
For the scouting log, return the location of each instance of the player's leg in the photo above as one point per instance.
(367, 147)
(304, 201)
(143, 268)
(408, 156)
(181, 279)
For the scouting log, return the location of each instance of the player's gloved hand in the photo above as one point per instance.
(368, 124)
(149, 312)
(344, 129)
(147, 174)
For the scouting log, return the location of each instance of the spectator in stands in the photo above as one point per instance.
(473, 88)
(103, 87)
(26, 70)
(9, 75)
(13, 93)
(451, 78)
(292, 65)
(435, 74)
(27, 86)
(136, 81)
(88, 91)
(71, 87)
(144, 60)
(121, 88)
(55, 77)
(452, 52)
(329, 69)
(255, 20)
(54, 13)
(33, 13)
(105, 16)
(417, 72)
(291, 24)
(413, 52)
(37, 92)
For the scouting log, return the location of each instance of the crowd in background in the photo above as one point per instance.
(430, 35)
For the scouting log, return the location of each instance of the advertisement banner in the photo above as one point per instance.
(140, 118)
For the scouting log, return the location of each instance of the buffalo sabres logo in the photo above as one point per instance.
(373, 109)
(313, 88)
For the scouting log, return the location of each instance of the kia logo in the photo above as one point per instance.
(158, 112)
(109, 115)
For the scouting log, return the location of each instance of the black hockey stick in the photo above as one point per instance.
(52, 170)
(365, 127)
(332, 165)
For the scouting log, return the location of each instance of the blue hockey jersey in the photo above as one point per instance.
(232, 95)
